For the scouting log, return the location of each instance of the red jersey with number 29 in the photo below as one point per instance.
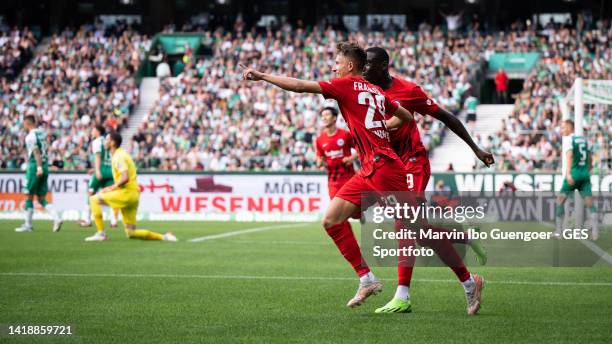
(406, 140)
(363, 106)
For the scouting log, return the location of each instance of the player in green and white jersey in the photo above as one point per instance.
(102, 175)
(37, 174)
(577, 176)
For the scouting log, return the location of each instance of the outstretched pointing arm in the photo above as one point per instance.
(284, 82)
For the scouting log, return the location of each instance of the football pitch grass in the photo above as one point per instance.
(271, 282)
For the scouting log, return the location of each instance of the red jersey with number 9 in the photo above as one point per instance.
(363, 106)
(406, 140)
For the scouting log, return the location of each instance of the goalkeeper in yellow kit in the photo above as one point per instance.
(123, 195)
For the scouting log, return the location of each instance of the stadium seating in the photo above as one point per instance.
(208, 119)
(530, 139)
(79, 77)
(16, 49)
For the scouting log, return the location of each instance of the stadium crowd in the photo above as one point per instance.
(530, 138)
(16, 49)
(207, 118)
(80, 76)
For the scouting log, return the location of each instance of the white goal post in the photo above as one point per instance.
(582, 92)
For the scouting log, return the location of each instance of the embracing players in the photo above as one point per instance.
(363, 107)
(123, 194)
(37, 174)
(406, 141)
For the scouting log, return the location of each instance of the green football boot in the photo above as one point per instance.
(395, 306)
(479, 250)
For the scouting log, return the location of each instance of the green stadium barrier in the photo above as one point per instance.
(515, 64)
(171, 44)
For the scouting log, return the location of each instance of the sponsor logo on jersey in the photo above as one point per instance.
(334, 154)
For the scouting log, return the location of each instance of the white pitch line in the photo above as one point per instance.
(591, 246)
(282, 242)
(597, 250)
(291, 278)
(245, 231)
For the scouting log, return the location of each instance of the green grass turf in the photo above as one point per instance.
(130, 291)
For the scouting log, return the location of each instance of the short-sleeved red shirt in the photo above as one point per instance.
(334, 148)
(363, 106)
(501, 81)
(406, 140)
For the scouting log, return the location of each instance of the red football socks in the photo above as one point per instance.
(344, 238)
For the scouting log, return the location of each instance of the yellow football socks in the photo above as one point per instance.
(143, 234)
(96, 211)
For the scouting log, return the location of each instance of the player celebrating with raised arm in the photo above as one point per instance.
(406, 141)
(577, 177)
(102, 175)
(124, 195)
(37, 175)
(363, 106)
(405, 137)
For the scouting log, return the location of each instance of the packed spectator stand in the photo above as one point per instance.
(16, 49)
(530, 139)
(208, 119)
(80, 77)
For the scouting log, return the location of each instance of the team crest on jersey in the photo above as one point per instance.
(340, 142)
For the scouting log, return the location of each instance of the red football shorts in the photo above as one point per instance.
(334, 186)
(387, 178)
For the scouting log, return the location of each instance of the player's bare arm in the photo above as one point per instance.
(38, 158)
(394, 122)
(568, 167)
(458, 128)
(403, 114)
(97, 164)
(321, 162)
(349, 159)
(284, 82)
(398, 119)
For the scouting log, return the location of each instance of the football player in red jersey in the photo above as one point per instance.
(363, 107)
(406, 141)
(334, 151)
(405, 138)
(333, 148)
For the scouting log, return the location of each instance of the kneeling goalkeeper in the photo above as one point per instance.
(123, 195)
